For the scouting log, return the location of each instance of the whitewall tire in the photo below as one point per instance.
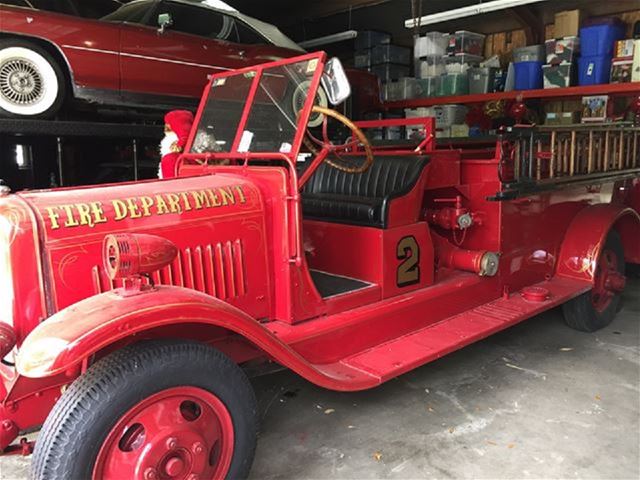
(31, 82)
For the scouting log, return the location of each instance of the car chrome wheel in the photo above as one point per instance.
(21, 82)
(29, 84)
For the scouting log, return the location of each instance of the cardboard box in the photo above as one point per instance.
(567, 23)
(635, 74)
(595, 108)
(562, 118)
(625, 48)
(558, 76)
(621, 71)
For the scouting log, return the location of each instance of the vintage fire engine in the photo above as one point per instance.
(129, 311)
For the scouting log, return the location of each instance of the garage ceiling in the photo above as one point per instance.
(307, 19)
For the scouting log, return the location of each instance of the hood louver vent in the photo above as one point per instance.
(215, 269)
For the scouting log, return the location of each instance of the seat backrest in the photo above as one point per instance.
(388, 176)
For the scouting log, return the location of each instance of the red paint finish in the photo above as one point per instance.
(607, 280)
(175, 433)
(243, 277)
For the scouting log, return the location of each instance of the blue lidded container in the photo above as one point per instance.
(528, 75)
(599, 37)
(594, 70)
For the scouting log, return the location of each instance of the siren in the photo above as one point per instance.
(7, 339)
(130, 255)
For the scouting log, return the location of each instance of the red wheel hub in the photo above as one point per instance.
(183, 433)
(608, 281)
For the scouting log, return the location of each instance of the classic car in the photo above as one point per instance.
(147, 54)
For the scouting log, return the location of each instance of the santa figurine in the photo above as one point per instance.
(177, 125)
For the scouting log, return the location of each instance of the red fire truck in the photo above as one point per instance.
(129, 311)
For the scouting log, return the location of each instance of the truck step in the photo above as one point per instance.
(405, 353)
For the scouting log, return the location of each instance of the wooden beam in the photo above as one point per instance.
(532, 24)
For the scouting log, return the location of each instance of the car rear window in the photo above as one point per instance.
(133, 13)
(15, 3)
(96, 8)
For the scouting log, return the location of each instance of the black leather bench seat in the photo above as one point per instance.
(361, 198)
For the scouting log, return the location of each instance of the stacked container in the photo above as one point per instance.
(365, 42)
(464, 51)
(447, 116)
(562, 54)
(428, 52)
(527, 62)
(598, 41)
(622, 64)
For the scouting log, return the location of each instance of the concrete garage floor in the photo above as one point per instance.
(536, 401)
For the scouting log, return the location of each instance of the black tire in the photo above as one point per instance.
(580, 313)
(633, 270)
(45, 89)
(78, 425)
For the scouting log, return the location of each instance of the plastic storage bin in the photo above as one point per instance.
(390, 72)
(447, 115)
(368, 39)
(420, 112)
(465, 42)
(562, 50)
(482, 80)
(461, 63)
(362, 59)
(429, 67)
(432, 44)
(534, 53)
(403, 89)
(429, 87)
(528, 75)
(599, 39)
(558, 76)
(390, 54)
(454, 84)
(594, 70)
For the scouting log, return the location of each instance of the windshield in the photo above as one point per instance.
(274, 117)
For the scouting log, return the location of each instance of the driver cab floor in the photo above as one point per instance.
(330, 285)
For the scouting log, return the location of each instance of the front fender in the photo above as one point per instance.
(72, 335)
(587, 234)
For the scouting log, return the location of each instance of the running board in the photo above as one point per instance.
(388, 360)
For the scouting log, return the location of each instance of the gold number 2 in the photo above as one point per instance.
(409, 269)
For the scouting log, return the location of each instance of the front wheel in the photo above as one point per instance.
(160, 410)
(597, 309)
(32, 84)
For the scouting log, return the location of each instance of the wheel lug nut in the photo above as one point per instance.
(172, 443)
(198, 448)
(150, 474)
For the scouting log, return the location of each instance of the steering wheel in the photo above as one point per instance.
(358, 138)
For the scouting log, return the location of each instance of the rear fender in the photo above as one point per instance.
(62, 342)
(587, 234)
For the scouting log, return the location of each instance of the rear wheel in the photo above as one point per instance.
(155, 411)
(597, 309)
(32, 84)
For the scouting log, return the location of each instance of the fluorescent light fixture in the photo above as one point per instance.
(24, 157)
(335, 38)
(469, 11)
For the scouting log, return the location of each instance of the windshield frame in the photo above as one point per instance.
(234, 153)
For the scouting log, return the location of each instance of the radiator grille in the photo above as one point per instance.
(216, 269)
